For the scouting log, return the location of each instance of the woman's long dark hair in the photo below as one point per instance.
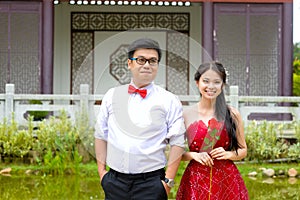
(221, 108)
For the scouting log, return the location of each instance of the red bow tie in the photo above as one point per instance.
(142, 92)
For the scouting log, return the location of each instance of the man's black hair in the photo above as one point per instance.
(144, 43)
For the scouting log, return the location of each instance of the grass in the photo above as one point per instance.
(90, 169)
(258, 189)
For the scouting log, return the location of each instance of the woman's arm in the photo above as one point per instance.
(221, 154)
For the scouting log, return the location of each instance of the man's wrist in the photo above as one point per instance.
(170, 182)
(102, 171)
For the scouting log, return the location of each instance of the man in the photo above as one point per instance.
(135, 124)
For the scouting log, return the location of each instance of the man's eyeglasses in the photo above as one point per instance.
(142, 61)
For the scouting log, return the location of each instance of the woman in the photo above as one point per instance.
(215, 137)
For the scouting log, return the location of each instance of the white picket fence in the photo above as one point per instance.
(17, 105)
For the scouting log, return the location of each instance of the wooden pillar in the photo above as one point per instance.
(47, 47)
(207, 31)
(287, 50)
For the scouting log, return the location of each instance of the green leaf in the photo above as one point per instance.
(206, 141)
(213, 132)
(205, 147)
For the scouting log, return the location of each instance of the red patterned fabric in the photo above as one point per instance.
(227, 182)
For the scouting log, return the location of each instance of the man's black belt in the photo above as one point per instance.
(159, 172)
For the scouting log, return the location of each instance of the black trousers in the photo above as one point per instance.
(146, 186)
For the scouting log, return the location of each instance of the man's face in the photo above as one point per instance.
(143, 74)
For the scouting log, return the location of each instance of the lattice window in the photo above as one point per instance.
(178, 65)
(3, 50)
(118, 65)
(20, 60)
(248, 44)
(82, 60)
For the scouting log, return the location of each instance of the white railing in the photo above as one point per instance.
(18, 104)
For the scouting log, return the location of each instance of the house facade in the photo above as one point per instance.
(49, 48)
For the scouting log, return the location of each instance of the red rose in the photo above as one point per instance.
(213, 134)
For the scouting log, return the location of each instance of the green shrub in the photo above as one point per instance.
(296, 84)
(264, 144)
(59, 143)
(14, 143)
(296, 66)
(55, 142)
(294, 151)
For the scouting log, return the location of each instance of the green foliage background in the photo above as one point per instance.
(56, 144)
(296, 70)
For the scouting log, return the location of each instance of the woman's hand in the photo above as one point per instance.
(203, 158)
(220, 154)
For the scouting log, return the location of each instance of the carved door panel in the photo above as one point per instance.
(20, 46)
(247, 40)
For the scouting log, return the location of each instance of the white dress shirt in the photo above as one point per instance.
(137, 130)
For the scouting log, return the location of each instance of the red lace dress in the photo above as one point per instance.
(226, 182)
